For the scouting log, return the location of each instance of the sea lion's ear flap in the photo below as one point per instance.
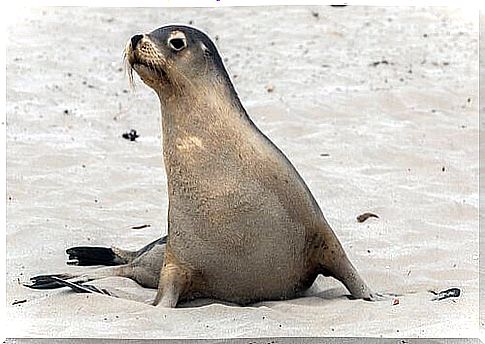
(206, 50)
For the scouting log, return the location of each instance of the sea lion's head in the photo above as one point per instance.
(175, 58)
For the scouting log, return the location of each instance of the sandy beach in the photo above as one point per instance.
(377, 108)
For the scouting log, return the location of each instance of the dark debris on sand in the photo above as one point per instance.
(365, 216)
(444, 294)
(140, 227)
(17, 302)
(375, 64)
(132, 135)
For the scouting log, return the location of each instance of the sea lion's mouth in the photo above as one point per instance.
(145, 69)
(150, 67)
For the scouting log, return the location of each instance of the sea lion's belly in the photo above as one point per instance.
(242, 244)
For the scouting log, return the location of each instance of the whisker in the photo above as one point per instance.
(128, 68)
(129, 73)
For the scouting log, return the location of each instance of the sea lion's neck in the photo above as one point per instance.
(201, 108)
(198, 124)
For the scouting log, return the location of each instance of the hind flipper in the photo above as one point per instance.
(82, 288)
(63, 280)
(47, 281)
(109, 256)
(156, 243)
(88, 255)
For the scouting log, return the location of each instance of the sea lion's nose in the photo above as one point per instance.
(134, 40)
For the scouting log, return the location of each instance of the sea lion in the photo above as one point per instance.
(242, 224)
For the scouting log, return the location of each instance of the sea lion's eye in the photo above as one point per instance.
(177, 42)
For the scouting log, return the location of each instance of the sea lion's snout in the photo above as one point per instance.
(144, 56)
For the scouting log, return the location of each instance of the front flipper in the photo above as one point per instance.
(374, 296)
(334, 262)
(174, 282)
